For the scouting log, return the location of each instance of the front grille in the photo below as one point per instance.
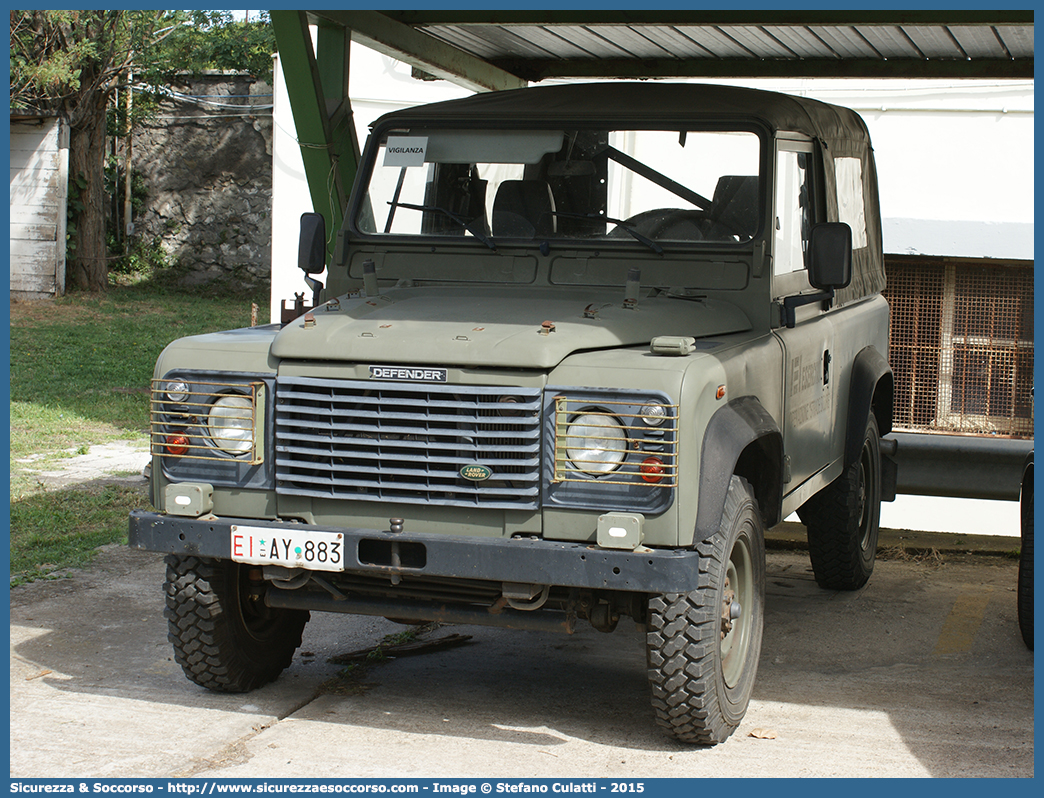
(408, 443)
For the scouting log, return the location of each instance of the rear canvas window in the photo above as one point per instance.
(848, 176)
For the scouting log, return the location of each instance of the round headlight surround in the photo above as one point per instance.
(230, 424)
(595, 442)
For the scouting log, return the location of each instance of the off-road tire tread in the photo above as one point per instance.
(201, 627)
(681, 643)
(1025, 582)
(831, 518)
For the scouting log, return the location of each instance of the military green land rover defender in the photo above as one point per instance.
(577, 348)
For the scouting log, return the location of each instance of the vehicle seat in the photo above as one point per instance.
(524, 209)
(734, 206)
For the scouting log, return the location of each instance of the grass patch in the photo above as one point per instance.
(91, 357)
(80, 371)
(41, 437)
(52, 532)
(81, 364)
(930, 557)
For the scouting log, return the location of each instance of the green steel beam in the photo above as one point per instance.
(333, 49)
(325, 130)
(383, 34)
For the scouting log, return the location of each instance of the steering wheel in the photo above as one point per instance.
(707, 227)
(656, 224)
(680, 225)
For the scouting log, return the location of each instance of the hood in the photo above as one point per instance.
(513, 327)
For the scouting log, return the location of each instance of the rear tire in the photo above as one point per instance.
(1025, 594)
(844, 520)
(703, 646)
(224, 637)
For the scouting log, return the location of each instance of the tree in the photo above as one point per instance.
(72, 62)
(216, 40)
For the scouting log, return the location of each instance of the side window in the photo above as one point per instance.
(848, 174)
(794, 212)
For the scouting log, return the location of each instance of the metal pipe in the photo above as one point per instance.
(959, 466)
(420, 611)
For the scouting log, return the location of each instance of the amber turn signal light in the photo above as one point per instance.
(177, 444)
(651, 469)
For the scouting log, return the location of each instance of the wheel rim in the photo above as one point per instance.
(737, 612)
(256, 617)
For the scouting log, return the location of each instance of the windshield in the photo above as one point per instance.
(645, 186)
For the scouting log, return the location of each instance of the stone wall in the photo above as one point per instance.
(206, 159)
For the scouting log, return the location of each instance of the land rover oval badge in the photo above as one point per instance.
(476, 472)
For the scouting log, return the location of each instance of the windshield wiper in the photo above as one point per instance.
(469, 226)
(619, 223)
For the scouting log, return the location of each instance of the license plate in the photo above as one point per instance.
(292, 548)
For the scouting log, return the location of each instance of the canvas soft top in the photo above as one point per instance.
(646, 102)
(842, 132)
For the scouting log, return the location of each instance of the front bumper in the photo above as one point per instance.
(522, 560)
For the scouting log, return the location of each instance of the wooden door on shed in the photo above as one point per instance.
(39, 190)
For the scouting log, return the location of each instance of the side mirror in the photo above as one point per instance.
(311, 251)
(831, 256)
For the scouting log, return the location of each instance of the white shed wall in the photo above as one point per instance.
(39, 186)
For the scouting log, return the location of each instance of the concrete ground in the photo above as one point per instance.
(921, 673)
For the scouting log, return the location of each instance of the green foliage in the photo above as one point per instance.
(57, 55)
(44, 64)
(52, 532)
(72, 61)
(143, 260)
(214, 40)
(114, 183)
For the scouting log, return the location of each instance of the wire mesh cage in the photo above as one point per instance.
(961, 345)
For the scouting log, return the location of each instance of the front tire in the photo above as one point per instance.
(224, 637)
(703, 646)
(844, 520)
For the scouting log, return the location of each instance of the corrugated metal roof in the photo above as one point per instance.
(536, 45)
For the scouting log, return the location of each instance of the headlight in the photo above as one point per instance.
(231, 424)
(596, 444)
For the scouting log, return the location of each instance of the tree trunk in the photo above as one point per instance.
(89, 269)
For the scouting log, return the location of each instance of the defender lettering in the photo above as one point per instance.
(407, 374)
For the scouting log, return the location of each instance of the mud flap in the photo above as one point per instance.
(889, 469)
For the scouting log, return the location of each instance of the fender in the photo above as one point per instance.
(742, 439)
(871, 390)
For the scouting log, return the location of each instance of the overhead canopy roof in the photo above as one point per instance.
(505, 49)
